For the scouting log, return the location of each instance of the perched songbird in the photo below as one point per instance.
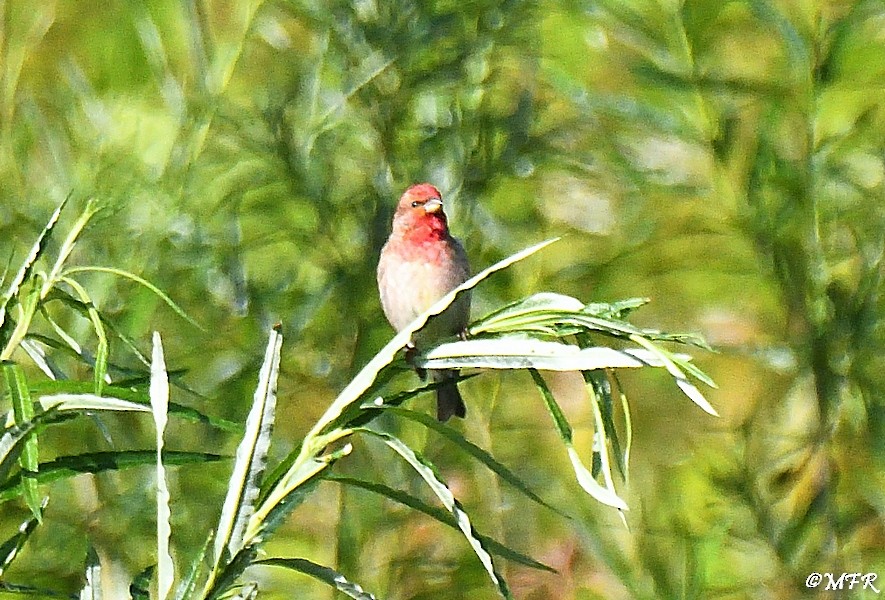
(420, 263)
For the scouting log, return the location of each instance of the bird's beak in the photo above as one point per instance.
(433, 205)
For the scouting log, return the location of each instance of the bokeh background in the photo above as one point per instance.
(724, 159)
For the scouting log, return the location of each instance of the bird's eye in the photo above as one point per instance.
(416, 204)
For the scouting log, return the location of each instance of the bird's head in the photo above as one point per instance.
(421, 209)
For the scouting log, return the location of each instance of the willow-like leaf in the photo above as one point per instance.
(76, 402)
(509, 315)
(100, 367)
(251, 460)
(136, 396)
(283, 498)
(11, 547)
(25, 270)
(13, 437)
(159, 392)
(39, 358)
(141, 281)
(67, 246)
(582, 474)
(475, 451)
(687, 387)
(433, 480)
(442, 516)
(189, 583)
(65, 467)
(522, 352)
(23, 411)
(328, 576)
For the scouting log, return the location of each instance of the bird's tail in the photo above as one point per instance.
(448, 399)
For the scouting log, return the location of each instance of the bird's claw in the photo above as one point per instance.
(411, 353)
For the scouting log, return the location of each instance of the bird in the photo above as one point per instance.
(419, 264)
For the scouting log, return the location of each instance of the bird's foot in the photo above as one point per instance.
(411, 353)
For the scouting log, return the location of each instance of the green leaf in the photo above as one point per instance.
(13, 437)
(10, 548)
(23, 411)
(687, 387)
(141, 281)
(65, 467)
(77, 388)
(475, 451)
(198, 566)
(251, 459)
(325, 574)
(582, 474)
(159, 393)
(140, 588)
(432, 478)
(79, 402)
(100, 367)
(442, 516)
(25, 270)
(522, 352)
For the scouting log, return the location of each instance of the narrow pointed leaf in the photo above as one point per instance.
(475, 451)
(72, 402)
(13, 437)
(25, 270)
(65, 467)
(11, 547)
(189, 582)
(582, 474)
(328, 576)
(159, 392)
(442, 516)
(141, 281)
(687, 387)
(23, 410)
(430, 476)
(251, 460)
(521, 352)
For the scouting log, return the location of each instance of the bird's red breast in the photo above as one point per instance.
(421, 262)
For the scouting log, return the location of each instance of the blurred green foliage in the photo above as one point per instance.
(723, 158)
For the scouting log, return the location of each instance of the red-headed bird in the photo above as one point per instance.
(420, 263)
